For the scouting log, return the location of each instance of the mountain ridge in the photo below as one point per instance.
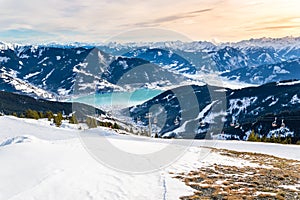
(239, 110)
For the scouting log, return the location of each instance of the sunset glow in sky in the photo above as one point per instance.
(98, 20)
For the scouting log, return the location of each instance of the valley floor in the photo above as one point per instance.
(40, 161)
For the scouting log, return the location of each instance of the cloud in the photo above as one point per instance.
(180, 16)
(274, 24)
(275, 27)
(98, 20)
(170, 18)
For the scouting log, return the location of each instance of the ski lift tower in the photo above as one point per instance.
(149, 116)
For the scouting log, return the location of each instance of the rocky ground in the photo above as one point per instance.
(269, 178)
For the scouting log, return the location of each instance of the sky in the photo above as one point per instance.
(35, 21)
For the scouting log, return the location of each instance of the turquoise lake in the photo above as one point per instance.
(119, 98)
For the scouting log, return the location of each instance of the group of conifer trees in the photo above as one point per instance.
(253, 137)
(57, 118)
(93, 123)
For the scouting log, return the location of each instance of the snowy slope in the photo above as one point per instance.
(45, 162)
(60, 168)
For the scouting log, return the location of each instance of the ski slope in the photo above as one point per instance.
(40, 161)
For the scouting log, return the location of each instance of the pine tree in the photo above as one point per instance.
(58, 119)
(253, 137)
(91, 122)
(73, 119)
(116, 126)
(41, 114)
(33, 114)
(263, 139)
(277, 139)
(60, 116)
(131, 130)
(49, 115)
(286, 140)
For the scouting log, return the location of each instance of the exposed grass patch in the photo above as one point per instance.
(275, 178)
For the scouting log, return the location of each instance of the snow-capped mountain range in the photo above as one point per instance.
(55, 70)
(285, 70)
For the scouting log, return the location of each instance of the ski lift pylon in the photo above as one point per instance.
(282, 123)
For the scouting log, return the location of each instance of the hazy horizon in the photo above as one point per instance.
(131, 42)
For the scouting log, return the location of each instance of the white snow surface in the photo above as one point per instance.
(41, 161)
(289, 83)
(21, 85)
(31, 75)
